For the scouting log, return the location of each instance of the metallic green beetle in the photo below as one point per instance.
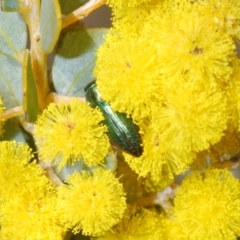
(122, 132)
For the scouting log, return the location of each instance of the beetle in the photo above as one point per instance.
(122, 132)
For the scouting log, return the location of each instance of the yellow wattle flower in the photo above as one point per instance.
(127, 75)
(163, 161)
(91, 202)
(170, 228)
(15, 168)
(137, 224)
(27, 197)
(130, 3)
(159, 158)
(222, 14)
(71, 132)
(31, 215)
(207, 206)
(189, 46)
(192, 116)
(129, 21)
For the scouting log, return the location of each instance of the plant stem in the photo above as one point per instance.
(51, 173)
(30, 12)
(165, 197)
(230, 164)
(82, 12)
(11, 113)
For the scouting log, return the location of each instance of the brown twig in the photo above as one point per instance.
(82, 12)
(51, 173)
(13, 112)
(163, 198)
(231, 164)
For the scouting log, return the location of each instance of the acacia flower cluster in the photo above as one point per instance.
(121, 3)
(137, 224)
(174, 82)
(213, 206)
(70, 132)
(170, 67)
(27, 197)
(91, 202)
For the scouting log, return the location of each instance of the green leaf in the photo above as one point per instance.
(75, 59)
(13, 35)
(69, 6)
(10, 5)
(13, 40)
(50, 24)
(30, 100)
(10, 82)
(12, 131)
